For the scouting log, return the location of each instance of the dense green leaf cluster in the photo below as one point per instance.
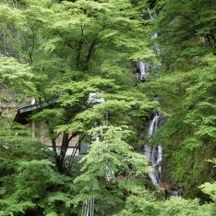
(66, 51)
(186, 90)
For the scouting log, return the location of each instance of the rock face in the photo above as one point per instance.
(10, 101)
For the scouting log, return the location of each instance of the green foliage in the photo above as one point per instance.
(186, 90)
(187, 31)
(190, 128)
(16, 81)
(140, 205)
(70, 49)
(73, 49)
(181, 207)
(108, 160)
(28, 180)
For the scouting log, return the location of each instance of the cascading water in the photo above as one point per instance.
(110, 175)
(142, 70)
(153, 125)
(154, 154)
(89, 205)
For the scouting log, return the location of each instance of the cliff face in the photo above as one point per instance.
(10, 101)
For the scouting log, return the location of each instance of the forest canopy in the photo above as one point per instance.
(107, 107)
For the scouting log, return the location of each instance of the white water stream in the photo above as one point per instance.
(142, 70)
(154, 154)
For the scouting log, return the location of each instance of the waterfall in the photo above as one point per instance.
(154, 154)
(94, 98)
(143, 67)
(110, 175)
(150, 14)
(88, 207)
(142, 70)
(89, 204)
(153, 125)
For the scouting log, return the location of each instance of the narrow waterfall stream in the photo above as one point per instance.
(154, 154)
(89, 204)
(88, 207)
(142, 70)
